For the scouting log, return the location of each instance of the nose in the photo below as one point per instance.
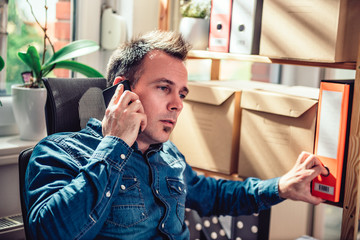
(176, 103)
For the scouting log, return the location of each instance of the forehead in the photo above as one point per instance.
(156, 56)
(160, 65)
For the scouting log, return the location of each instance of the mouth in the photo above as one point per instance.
(168, 122)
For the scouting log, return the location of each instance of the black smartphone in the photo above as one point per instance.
(109, 92)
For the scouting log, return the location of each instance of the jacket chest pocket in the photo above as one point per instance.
(128, 208)
(176, 187)
(177, 190)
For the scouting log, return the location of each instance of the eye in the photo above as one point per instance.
(164, 88)
(182, 96)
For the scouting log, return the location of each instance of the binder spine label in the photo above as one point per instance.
(324, 188)
(218, 42)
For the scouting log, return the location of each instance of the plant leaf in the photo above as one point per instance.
(32, 59)
(78, 67)
(2, 63)
(72, 50)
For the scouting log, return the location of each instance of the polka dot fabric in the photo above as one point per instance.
(252, 227)
(204, 228)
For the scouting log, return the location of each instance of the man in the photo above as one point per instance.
(110, 181)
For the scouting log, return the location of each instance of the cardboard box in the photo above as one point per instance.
(275, 128)
(291, 220)
(322, 30)
(207, 131)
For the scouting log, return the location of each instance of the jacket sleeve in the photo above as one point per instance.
(67, 199)
(225, 197)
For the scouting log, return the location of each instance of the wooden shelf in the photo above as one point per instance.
(201, 54)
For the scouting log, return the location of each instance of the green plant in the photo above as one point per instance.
(59, 59)
(196, 8)
(2, 65)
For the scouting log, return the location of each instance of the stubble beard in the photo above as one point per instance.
(167, 129)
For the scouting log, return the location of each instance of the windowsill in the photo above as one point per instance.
(10, 148)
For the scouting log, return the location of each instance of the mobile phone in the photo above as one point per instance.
(109, 92)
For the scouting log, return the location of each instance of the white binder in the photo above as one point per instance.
(245, 26)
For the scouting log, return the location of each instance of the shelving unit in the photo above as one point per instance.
(350, 218)
(216, 58)
(351, 204)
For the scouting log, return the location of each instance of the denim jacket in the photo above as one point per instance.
(84, 186)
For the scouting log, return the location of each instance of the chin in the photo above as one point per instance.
(164, 137)
(159, 136)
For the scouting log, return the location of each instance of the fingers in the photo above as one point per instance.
(116, 97)
(324, 171)
(137, 107)
(122, 98)
(314, 200)
(313, 163)
(302, 157)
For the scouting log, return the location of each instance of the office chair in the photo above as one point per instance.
(69, 105)
(72, 101)
(24, 158)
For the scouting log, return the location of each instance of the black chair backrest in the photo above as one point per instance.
(65, 96)
(24, 158)
(70, 101)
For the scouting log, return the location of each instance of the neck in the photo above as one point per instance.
(142, 146)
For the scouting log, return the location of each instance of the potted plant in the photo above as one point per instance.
(195, 22)
(29, 98)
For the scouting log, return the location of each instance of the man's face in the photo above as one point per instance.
(161, 89)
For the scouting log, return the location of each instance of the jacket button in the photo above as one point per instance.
(123, 187)
(163, 225)
(108, 194)
(122, 156)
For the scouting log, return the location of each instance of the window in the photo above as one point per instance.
(22, 30)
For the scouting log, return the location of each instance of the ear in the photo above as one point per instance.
(118, 79)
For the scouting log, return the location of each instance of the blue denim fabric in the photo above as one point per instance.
(84, 186)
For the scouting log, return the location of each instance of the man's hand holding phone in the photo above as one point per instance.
(124, 116)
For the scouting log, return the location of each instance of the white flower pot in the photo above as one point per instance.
(29, 111)
(7, 120)
(195, 31)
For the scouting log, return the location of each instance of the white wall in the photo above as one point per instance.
(87, 20)
(140, 15)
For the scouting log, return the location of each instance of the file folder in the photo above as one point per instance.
(331, 138)
(220, 20)
(245, 26)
